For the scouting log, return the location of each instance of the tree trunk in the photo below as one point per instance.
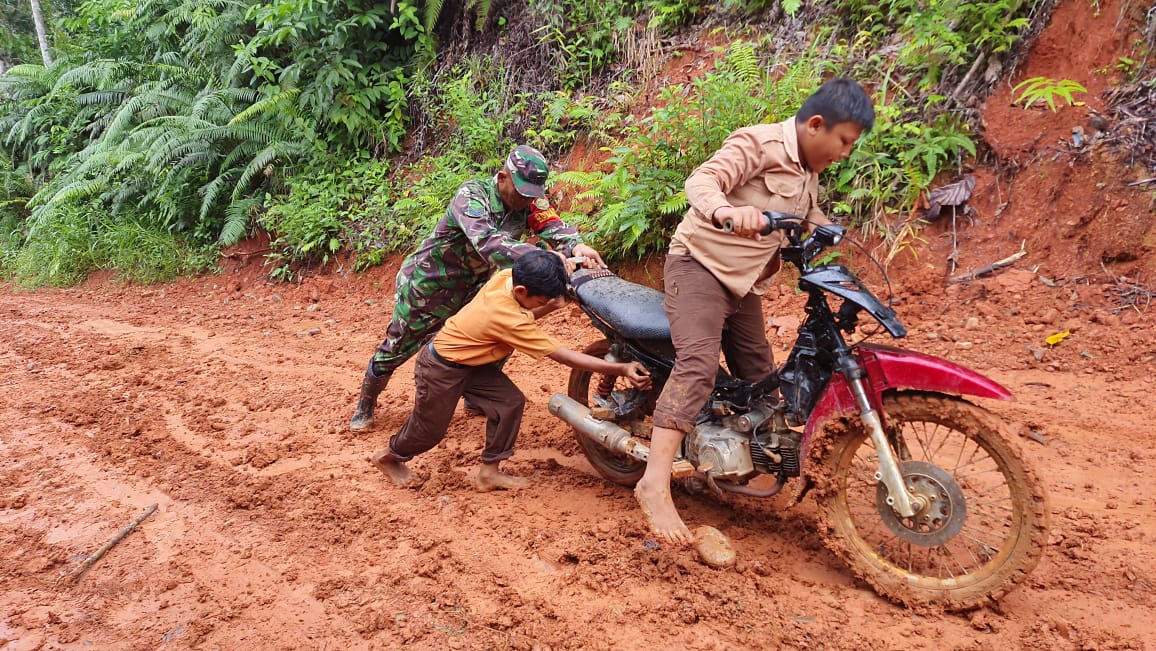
(41, 33)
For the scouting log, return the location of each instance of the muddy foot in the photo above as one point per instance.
(492, 479)
(393, 468)
(663, 518)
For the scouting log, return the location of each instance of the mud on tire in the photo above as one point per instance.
(985, 546)
(618, 468)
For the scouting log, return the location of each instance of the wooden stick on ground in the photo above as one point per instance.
(88, 562)
(998, 264)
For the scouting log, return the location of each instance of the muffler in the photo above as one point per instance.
(605, 433)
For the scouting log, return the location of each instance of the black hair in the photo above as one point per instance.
(541, 273)
(839, 100)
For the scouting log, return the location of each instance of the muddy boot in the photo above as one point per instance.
(371, 386)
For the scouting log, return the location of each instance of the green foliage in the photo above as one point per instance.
(1043, 89)
(345, 59)
(17, 33)
(381, 209)
(58, 251)
(16, 188)
(587, 34)
(932, 36)
(142, 252)
(669, 15)
(308, 223)
(565, 115)
(790, 7)
(892, 166)
(63, 248)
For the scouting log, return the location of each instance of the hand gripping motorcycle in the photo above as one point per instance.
(923, 496)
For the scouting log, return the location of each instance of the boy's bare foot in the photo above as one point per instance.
(393, 467)
(490, 479)
(659, 509)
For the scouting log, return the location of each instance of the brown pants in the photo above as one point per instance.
(439, 386)
(699, 307)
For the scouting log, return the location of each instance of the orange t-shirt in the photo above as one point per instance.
(492, 326)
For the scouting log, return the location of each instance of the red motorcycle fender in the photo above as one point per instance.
(890, 368)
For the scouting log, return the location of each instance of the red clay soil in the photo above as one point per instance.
(224, 400)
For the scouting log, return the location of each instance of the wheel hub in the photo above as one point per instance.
(942, 506)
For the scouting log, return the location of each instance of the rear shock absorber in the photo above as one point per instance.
(606, 382)
(605, 386)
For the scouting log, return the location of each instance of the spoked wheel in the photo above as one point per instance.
(616, 467)
(982, 520)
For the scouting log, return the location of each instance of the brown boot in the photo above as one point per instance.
(371, 386)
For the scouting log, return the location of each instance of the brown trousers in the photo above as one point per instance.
(699, 307)
(439, 386)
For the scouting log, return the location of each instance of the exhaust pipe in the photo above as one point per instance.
(605, 433)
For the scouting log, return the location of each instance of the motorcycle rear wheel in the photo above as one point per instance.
(618, 468)
(958, 555)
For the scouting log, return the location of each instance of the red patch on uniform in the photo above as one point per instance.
(542, 214)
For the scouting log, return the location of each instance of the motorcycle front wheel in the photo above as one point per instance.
(618, 468)
(982, 525)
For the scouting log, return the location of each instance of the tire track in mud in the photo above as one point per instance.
(274, 531)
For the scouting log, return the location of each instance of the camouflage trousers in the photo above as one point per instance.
(420, 308)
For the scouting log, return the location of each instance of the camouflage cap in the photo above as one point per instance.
(527, 167)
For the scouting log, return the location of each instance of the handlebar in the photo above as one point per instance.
(772, 221)
(823, 236)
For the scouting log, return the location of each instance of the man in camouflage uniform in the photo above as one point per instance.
(479, 233)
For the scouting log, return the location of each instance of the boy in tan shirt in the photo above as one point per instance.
(464, 360)
(714, 279)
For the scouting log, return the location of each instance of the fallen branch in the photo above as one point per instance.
(986, 269)
(1143, 181)
(88, 562)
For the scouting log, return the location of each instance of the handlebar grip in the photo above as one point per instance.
(728, 225)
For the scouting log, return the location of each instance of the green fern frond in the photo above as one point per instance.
(742, 60)
(211, 191)
(433, 11)
(101, 97)
(77, 191)
(267, 105)
(255, 167)
(237, 217)
(483, 8)
(579, 178)
(674, 204)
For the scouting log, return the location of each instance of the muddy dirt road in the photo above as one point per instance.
(224, 401)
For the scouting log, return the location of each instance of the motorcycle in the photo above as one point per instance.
(922, 495)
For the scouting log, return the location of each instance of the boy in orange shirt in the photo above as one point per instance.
(464, 360)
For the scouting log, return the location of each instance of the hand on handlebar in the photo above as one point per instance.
(744, 221)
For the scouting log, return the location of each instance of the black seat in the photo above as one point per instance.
(633, 310)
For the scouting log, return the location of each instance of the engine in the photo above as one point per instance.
(734, 448)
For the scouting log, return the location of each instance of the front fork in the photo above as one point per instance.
(903, 502)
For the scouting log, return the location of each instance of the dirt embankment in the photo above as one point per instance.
(224, 401)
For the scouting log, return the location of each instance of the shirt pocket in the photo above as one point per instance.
(786, 194)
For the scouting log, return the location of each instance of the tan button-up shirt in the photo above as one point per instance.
(755, 166)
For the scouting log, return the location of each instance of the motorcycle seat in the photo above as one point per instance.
(634, 310)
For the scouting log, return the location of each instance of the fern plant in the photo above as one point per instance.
(1046, 90)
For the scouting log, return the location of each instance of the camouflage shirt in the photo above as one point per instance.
(477, 236)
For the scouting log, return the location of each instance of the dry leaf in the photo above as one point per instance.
(953, 194)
